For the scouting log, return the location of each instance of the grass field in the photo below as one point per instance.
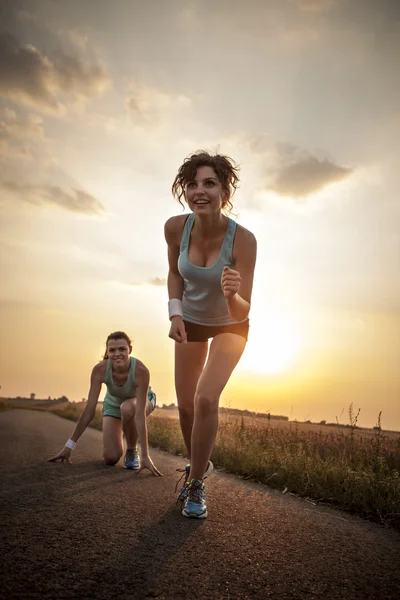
(255, 421)
(353, 469)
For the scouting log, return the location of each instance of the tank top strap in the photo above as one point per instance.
(227, 246)
(186, 233)
(132, 371)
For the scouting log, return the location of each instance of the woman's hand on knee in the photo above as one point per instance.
(147, 463)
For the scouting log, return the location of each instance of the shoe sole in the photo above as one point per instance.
(194, 516)
(132, 468)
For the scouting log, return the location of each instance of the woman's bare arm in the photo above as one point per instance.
(245, 255)
(173, 233)
(142, 378)
(89, 411)
(96, 380)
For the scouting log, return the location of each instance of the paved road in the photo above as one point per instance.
(90, 531)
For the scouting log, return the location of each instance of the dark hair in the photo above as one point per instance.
(225, 168)
(117, 335)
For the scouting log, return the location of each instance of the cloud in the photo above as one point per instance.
(30, 78)
(315, 5)
(148, 106)
(16, 131)
(26, 75)
(73, 200)
(24, 15)
(8, 148)
(299, 174)
(156, 281)
(22, 137)
(344, 290)
(73, 75)
(75, 38)
(21, 126)
(104, 122)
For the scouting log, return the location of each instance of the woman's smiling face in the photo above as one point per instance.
(118, 352)
(204, 194)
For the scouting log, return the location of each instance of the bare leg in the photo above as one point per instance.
(128, 409)
(112, 440)
(189, 362)
(225, 352)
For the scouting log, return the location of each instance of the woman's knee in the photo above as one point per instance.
(111, 458)
(206, 402)
(128, 408)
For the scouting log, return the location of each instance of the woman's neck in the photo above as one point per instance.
(210, 225)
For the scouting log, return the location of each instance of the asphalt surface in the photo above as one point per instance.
(90, 531)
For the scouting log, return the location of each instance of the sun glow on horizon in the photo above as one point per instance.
(273, 346)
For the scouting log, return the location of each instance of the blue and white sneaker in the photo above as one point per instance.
(132, 459)
(195, 502)
(186, 472)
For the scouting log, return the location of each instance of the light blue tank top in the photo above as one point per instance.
(117, 394)
(203, 300)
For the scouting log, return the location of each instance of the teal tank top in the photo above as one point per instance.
(203, 300)
(117, 394)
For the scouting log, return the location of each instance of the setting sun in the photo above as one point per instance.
(273, 345)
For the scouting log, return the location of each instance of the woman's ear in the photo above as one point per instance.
(225, 196)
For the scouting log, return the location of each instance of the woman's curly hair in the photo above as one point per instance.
(225, 168)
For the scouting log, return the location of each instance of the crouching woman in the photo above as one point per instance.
(128, 402)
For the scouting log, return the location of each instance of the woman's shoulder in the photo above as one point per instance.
(244, 235)
(140, 369)
(245, 246)
(99, 369)
(173, 228)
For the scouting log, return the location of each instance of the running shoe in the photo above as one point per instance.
(132, 459)
(186, 472)
(195, 502)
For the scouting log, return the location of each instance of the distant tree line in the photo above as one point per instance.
(32, 400)
(238, 412)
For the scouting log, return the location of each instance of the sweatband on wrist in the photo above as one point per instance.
(70, 444)
(175, 308)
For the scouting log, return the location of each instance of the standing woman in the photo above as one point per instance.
(210, 280)
(128, 401)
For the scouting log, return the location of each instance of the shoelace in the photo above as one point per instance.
(196, 493)
(182, 494)
(185, 473)
(131, 455)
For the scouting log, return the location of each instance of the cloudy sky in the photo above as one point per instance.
(100, 102)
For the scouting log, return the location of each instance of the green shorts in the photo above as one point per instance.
(111, 405)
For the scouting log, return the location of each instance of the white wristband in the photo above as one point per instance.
(175, 308)
(70, 444)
